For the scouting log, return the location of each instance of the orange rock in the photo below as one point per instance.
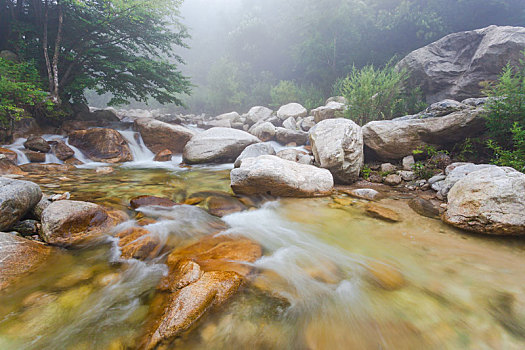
(101, 145)
(385, 275)
(20, 256)
(11, 155)
(201, 276)
(137, 243)
(379, 212)
(8, 168)
(221, 206)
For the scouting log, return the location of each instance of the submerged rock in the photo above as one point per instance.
(217, 145)
(158, 136)
(47, 168)
(101, 145)
(18, 257)
(69, 222)
(163, 156)
(224, 205)
(379, 212)
(337, 145)
(142, 201)
(274, 176)
(490, 201)
(138, 243)
(202, 276)
(424, 207)
(17, 198)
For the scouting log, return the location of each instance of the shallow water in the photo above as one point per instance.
(329, 278)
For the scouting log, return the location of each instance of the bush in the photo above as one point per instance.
(506, 117)
(287, 91)
(376, 94)
(20, 92)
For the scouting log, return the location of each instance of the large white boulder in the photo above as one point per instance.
(258, 114)
(265, 131)
(337, 145)
(217, 145)
(254, 151)
(490, 201)
(271, 175)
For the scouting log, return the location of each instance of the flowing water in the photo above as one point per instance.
(329, 278)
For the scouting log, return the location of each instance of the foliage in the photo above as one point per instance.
(506, 117)
(422, 170)
(287, 91)
(113, 46)
(20, 90)
(375, 94)
(514, 157)
(365, 172)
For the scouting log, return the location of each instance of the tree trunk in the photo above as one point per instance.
(58, 42)
(45, 46)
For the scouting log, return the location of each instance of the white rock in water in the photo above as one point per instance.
(271, 175)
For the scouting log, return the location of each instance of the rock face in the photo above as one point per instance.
(101, 145)
(159, 136)
(254, 151)
(331, 110)
(294, 110)
(397, 138)
(217, 145)
(453, 66)
(19, 256)
(37, 144)
(491, 201)
(68, 222)
(278, 177)
(337, 145)
(201, 276)
(16, 199)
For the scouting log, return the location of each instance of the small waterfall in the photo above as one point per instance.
(18, 148)
(78, 153)
(139, 151)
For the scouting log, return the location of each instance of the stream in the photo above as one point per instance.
(329, 278)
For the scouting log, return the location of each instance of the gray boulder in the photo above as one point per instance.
(294, 110)
(397, 138)
(217, 145)
(37, 144)
(490, 201)
(286, 136)
(337, 145)
(329, 111)
(290, 124)
(17, 198)
(254, 151)
(258, 113)
(454, 66)
(271, 175)
(265, 131)
(454, 173)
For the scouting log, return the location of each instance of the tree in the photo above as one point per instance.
(117, 46)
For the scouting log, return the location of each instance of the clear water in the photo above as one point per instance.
(316, 286)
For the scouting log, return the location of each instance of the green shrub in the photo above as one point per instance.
(287, 91)
(376, 94)
(20, 92)
(506, 117)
